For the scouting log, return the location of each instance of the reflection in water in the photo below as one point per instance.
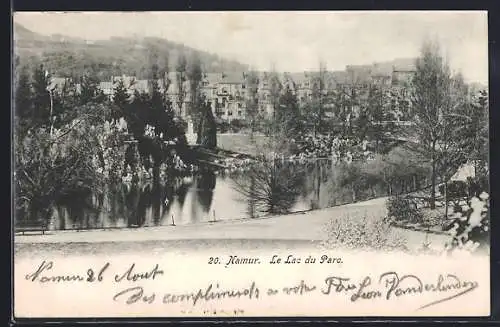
(274, 188)
(270, 187)
(188, 200)
(205, 189)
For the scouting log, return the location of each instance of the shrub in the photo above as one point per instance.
(471, 227)
(403, 209)
(478, 185)
(364, 233)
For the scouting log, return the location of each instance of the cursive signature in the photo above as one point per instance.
(410, 284)
(391, 285)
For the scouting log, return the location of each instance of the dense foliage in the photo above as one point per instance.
(403, 210)
(69, 143)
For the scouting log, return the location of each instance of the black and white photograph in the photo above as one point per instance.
(250, 163)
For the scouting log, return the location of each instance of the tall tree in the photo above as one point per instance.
(288, 117)
(316, 110)
(41, 97)
(121, 97)
(180, 69)
(252, 99)
(194, 75)
(165, 78)
(64, 101)
(275, 89)
(207, 127)
(152, 122)
(480, 130)
(378, 124)
(89, 89)
(22, 100)
(433, 103)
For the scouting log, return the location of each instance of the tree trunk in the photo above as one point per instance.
(446, 200)
(156, 173)
(318, 187)
(252, 127)
(433, 182)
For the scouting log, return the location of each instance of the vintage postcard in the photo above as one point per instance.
(243, 164)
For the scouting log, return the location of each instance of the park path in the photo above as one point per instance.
(308, 226)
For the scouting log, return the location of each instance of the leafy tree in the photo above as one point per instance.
(432, 102)
(65, 100)
(50, 167)
(152, 123)
(480, 128)
(288, 117)
(341, 109)
(207, 128)
(121, 98)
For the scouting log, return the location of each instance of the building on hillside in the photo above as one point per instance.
(230, 96)
(226, 91)
(302, 83)
(264, 94)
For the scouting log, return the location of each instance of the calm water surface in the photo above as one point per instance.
(189, 200)
(207, 196)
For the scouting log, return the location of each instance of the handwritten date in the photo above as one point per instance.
(40, 275)
(43, 274)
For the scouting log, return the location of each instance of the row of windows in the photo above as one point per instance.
(228, 113)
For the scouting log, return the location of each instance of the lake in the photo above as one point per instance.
(206, 196)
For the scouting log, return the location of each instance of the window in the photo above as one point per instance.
(243, 86)
(229, 113)
(224, 90)
(239, 105)
(239, 112)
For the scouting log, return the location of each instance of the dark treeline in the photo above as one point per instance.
(72, 140)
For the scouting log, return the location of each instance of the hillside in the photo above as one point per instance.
(68, 56)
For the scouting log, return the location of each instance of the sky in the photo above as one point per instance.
(292, 41)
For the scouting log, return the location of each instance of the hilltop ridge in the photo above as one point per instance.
(70, 56)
